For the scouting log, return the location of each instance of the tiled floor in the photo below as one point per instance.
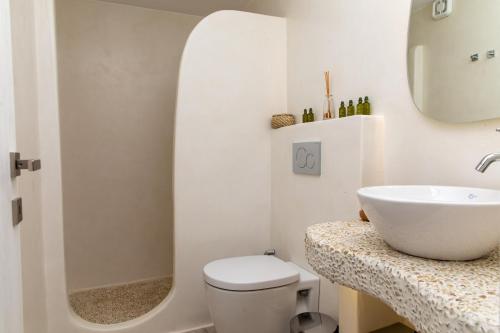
(120, 303)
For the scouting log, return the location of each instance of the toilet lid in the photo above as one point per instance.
(250, 273)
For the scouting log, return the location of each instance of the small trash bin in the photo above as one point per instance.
(313, 322)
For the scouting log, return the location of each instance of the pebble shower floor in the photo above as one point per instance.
(112, 305)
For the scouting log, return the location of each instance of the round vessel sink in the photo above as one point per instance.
(436, 222)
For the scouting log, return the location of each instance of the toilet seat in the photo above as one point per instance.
(250, 273)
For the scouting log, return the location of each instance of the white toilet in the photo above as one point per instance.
(258, 294)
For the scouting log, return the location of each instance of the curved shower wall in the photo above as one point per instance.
(232, 79)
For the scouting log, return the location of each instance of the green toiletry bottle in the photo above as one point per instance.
(310, 115)
(367, 108)
(342, 110)
(360, 107)
(350, 108)
(304, 117)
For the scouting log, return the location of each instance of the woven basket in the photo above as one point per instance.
(282, 120)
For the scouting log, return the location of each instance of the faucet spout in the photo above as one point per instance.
(487, 161)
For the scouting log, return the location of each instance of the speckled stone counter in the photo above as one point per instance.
(436, 296)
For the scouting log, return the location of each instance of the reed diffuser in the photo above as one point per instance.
(328, 108)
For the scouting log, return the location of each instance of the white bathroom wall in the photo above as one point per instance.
(351, 157)
(369, 58)
(233, 73)
(118, 71)
(455, 87)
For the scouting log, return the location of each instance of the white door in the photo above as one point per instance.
(11, 320)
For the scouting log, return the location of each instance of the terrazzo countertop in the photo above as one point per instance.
(435, 296)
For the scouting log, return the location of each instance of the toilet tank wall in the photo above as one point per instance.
(352, 157)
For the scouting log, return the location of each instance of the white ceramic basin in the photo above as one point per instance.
(446, 223)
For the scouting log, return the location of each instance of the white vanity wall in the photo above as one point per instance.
(364, 44)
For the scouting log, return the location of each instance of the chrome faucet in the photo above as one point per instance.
(487, 161)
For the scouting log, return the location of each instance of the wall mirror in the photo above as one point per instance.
(453, 59)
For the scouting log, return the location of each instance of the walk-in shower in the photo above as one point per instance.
(118, 68)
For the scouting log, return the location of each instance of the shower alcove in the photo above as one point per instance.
(118, 68)
(128, 80)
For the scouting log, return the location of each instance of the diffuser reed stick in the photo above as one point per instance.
(327, 82)
(328, 106)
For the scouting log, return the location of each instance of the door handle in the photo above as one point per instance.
(17, 164)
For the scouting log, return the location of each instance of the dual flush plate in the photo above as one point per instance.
(307, 158)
